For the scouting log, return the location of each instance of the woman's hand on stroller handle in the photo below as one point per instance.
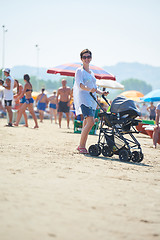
(105, 93)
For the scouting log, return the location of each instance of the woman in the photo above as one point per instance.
(152, 111)
(42, 103)
(27, 91)
(85, 82)
(53, 106)
(19, 102)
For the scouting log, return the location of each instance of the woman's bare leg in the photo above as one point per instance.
(51, 114)
(41, 115)
(155, 136)
(20, 112)
(87, 125)
(55, 115)
(31, 110)
(25, 116)
(25, 119)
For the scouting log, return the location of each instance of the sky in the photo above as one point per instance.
(114, 30)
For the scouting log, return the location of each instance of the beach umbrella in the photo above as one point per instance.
(133, 95)
(153, 96)
(109, 84)
(35, 95)
(69, 69)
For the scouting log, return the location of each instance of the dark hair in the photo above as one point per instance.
(17, 85)
(85, 51)
(43, 89)
(27, 77)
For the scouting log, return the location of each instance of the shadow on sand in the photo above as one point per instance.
(117, 160)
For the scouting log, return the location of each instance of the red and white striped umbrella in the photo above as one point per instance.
(69, 69)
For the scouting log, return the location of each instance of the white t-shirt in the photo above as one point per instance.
(81, 96)
(8, 94)
(144, 110)
(158, 107)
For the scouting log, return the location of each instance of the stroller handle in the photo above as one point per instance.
(105, 99)
(97, 101)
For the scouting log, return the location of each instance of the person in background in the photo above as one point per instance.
(53, 106)
(27, 91)
(63, 99)
(42, 102)
(8, 94)
(152, 111)
(85, 82)
(157, 128)
(2, 109)
(19, 102)
(144, 111)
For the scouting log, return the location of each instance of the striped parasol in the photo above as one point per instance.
(69, 69)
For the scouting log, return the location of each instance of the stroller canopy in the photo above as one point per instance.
(122, 104)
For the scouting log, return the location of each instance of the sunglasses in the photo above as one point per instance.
(85, 57)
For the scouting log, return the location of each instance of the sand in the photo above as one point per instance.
(49, 191)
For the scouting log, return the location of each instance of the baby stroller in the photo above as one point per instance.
(116, 131)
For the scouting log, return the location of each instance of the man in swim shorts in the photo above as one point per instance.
(63, 99)
(42, 102)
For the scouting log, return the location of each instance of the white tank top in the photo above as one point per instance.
(8, 94)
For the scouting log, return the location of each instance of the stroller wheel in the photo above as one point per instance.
(136, 156)
(124, 155)
(94, 150)
(106, 151)
(141, 157)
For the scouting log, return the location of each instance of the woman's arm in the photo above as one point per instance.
(23, 92)
(87, 88)
(19, 93)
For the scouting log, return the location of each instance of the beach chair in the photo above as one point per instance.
(78, 125)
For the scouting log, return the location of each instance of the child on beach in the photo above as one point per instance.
(85, 82)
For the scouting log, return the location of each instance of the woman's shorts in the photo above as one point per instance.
(30, 100)
(41, 106)
(52, 105)
(23, 99)
(87, 111)
(152, 117)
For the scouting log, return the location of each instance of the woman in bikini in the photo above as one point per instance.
(27, 91)
(19, 102)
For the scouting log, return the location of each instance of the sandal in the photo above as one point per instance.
(82, 150)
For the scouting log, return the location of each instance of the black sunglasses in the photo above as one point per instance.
(85, 57)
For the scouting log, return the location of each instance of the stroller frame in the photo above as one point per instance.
(117, 137)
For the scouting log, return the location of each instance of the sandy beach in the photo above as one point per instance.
(49, 191)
